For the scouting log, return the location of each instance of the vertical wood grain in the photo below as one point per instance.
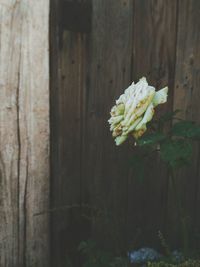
(24, 133)
(68, 65)
(108, 74)
(129, 39)
(186, 98)
(154, 46)
(55, 163)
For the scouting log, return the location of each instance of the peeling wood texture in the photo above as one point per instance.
(24, 133)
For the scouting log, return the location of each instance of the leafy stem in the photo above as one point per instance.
(175, 147)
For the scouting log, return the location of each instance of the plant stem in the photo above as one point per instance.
(180, 212)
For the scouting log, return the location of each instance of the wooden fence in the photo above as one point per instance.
(24, 133)
(97, 48)
(95, 54)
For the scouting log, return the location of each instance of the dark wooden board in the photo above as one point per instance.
(186, 98)
(154, 45)
(67, 92)
(108, 75)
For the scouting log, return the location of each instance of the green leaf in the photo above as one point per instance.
(168, 115)
(186, 129)
(165, 118)
(151, 139)
(176, 152)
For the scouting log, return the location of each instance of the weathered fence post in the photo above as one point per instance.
(24, 132)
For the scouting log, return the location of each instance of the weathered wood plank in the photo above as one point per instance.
(154, 57)
(108, 74)
(55, 163)
(76, 16)
(24, 133)
(186, 98)
(9, 140)
(68, 69)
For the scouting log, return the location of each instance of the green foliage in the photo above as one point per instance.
(151, 139)
(186, 129)
(168, 116)
(188, 263)
(175, 148)
(176, 152)
(99, 258)
(175, 145)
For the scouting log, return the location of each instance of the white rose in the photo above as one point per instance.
(134, 109)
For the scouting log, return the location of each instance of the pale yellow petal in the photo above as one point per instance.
(120, 139)
(147, 117)
(160, 96)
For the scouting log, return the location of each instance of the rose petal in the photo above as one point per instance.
(120, 139)
(160, 96)
(147, 117)
(140, 132)
(132, 126)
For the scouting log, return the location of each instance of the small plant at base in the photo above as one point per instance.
(95, 257)
(164, 244)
